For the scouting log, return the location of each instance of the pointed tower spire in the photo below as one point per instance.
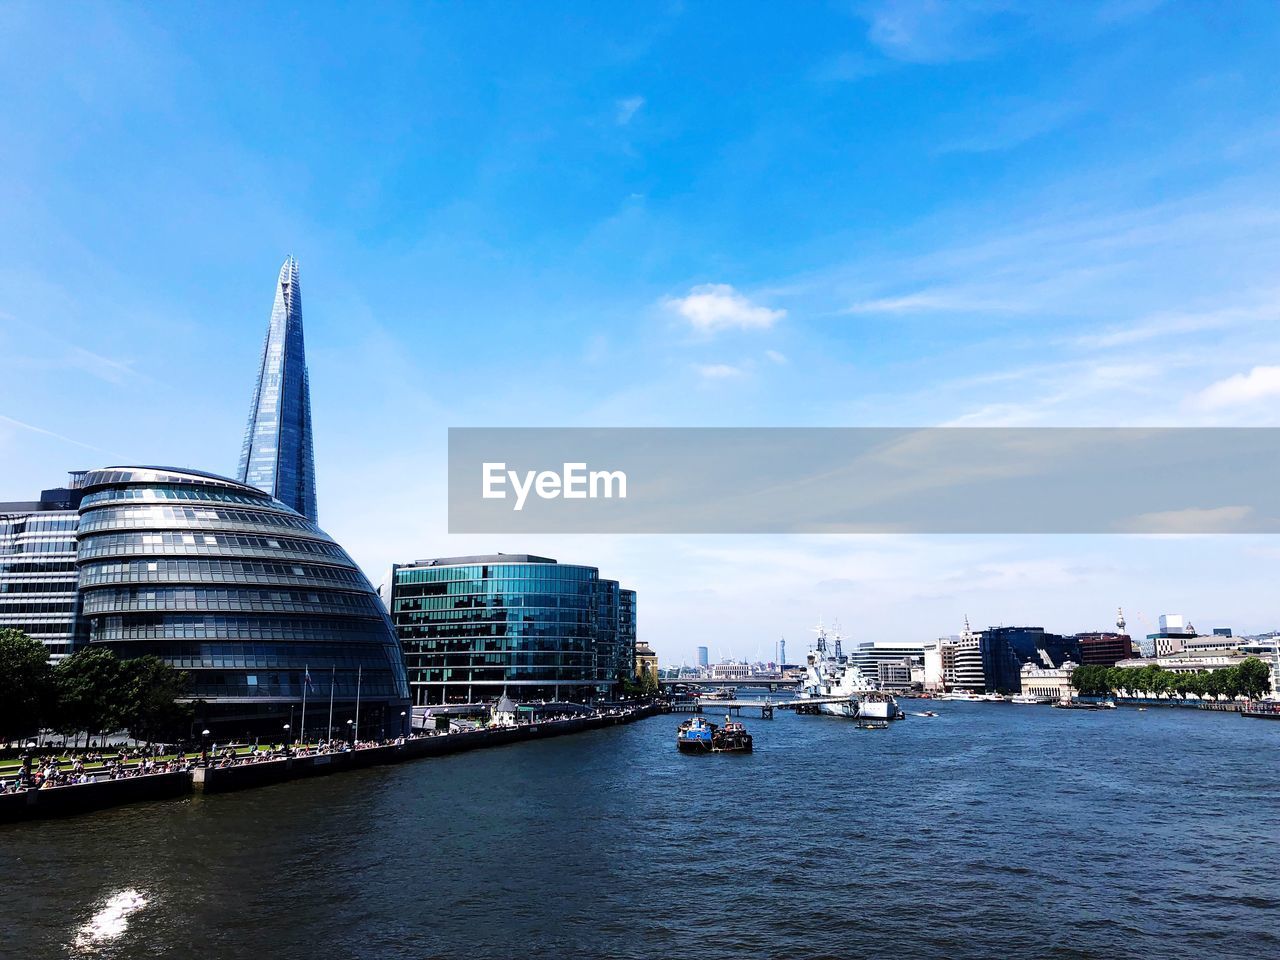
(277, 455)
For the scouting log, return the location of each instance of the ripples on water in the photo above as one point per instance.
(992, 829)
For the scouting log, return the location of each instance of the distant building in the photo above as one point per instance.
(1104, 649)
(888, 661)
(703, 659)
(967, 653)
(1173, 630)
(475, 628)
(646, 661)
(1187, 662)
(730, 671)
(38, 583)
(1048, 682)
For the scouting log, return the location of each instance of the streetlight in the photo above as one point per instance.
(404, 730)
(286, 739)
(351, 732)
(204, 754)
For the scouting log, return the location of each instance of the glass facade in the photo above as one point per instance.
(242, 592)
(475, 628)
(276, 455)
(1005, 650)
(38, 570)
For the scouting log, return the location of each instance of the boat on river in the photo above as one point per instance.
(731, 738)
(846, 692)
(695, 735)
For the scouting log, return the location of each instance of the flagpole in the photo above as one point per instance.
(359, 676)
(306, 681)
(331, 675)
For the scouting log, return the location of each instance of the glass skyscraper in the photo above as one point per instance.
(242, 592)
(475, 628)
(38, 568)
(277, 454)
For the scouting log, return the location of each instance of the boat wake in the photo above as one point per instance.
(110, 922)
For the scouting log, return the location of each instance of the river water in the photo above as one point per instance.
(989, 830)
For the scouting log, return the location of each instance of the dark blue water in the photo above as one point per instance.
(991, 830)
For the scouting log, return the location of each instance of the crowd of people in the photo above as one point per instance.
(96, 766)
(54, 771)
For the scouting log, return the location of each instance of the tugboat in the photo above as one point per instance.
(731, 738)
(695, 735)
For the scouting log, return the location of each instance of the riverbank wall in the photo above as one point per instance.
(1218, 706)
(87, 797)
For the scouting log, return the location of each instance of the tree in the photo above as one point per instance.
(24, 685)
(1254, 678)
(91, 692)
(150, 708)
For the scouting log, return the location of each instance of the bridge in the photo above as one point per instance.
(769, 682)
(766, 707)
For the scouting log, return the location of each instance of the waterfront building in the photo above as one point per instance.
(1006, 650)
(1104, 649)
(1048, 682)
(38, 592)
(1183, 662)
(704, 659)
(276, 455)
(968, 661)
(475, 628)
(646, 660)
(243, 593)
(889, 661)
(940, 663)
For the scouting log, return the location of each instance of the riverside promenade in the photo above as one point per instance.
(247, 773)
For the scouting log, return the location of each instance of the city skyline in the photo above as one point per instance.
(915, 219)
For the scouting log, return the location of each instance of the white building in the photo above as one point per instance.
(730, 671)
(1048, 682)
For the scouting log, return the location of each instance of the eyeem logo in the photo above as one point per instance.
(574, 482)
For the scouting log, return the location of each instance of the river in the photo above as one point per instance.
(989, 830)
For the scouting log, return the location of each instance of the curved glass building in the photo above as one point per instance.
(248, 596)
(476, 628)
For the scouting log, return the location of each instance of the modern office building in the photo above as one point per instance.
(276, 455)
(38, 592)
(704, 658)
(966, 658)
(242, 592)
(476, 628)
(1005, 650)
(889, 662)
(1104, 649)
(1168, 639)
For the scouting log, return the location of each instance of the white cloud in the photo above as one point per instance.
(1260, 383)
(717, 306)
(937, 301)
(1195, 520)
(718, 371)
(627, 109)
(48, 433)
(776, 357)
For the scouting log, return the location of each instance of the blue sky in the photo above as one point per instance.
(670, 214)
